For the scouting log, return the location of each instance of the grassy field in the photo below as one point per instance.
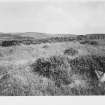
(61, 68)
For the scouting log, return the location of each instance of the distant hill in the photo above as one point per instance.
(31, 36)
(95, 36)
(11, 36)
(36, 35)
(91, 37)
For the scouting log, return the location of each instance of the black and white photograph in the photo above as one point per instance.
(50, 48)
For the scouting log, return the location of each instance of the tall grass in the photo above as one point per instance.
(55, 68)
(80, 72)
(55, 75)
(71, 52)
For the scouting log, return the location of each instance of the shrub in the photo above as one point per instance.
(7, 43)
(85, 65)
(45, 46)
(56, 68)
(71, 52)
(93, 42)
(89, 42)
(88, 66)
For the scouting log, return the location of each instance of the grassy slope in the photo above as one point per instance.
(17, 77)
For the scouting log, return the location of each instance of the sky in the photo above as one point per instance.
(53, 17)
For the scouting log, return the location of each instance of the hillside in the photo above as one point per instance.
(28, 38)
(51, 65)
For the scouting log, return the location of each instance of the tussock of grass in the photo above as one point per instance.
(55, 68)
(45, 46)
(87, 66)
(89, 63)
(71, 52)
(95, 43)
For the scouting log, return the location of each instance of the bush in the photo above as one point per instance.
(89, 62)
(84, 64)
(56, 68)
(89, 66)
(89, 42)
(7, 43)
(45, 46)
(71, 52)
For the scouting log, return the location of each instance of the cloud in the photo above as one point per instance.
(58, 20)
(76, 18)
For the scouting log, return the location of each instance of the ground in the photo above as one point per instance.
(18, 76)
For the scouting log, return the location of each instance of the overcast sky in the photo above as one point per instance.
(53, 17)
